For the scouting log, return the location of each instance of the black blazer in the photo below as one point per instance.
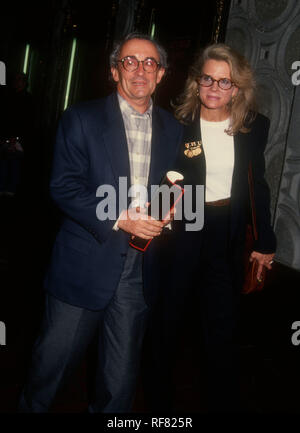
(175, 257)
(248, 147)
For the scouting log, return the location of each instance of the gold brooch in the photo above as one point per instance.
(193, 148)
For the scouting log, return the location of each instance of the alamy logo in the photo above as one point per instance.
(296, 335)
(2, 74)
(296, 75)
(162, 197)
(2, 334)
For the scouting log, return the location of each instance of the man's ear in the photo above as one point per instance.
(160, 74)
(115, 74)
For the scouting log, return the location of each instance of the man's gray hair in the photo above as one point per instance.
(114, 56)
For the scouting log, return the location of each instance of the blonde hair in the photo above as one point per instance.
(242, 108)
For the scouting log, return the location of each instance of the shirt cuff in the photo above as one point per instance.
(116, 226)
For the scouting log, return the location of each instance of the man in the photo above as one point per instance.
(95, 280)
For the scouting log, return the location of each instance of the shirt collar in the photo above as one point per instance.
(126, 108)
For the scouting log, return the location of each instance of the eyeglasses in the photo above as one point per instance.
(131, 64)
(223, 83)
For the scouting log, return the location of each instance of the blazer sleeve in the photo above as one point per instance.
(266, 242)
(69, 185)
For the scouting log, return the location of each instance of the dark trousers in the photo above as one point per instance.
(199, 278)
(218, 301)
(65, 336)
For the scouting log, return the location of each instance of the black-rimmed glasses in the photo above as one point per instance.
(207, 81)
(131, 64)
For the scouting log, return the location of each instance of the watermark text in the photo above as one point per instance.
(296, 335)
(2, 334)
(296, 75)
(188, 205)
(2, 74)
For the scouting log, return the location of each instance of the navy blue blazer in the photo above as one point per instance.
(91, 150)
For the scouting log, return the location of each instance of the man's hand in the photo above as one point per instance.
(263, 260)
(136, 222)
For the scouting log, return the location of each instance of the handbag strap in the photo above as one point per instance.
(251, 193)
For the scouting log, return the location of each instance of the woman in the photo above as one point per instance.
(223, 135)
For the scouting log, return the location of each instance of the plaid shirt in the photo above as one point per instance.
(138, 129)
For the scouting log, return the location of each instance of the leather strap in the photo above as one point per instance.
(221, 202)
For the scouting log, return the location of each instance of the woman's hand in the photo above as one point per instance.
(263, 260)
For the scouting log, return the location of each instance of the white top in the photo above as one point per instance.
(219, 155)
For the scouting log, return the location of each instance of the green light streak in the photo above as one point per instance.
(152, 31)
(70, 73)
(26, 57)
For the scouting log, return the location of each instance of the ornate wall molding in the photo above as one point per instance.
(267, 32)
(287, 222)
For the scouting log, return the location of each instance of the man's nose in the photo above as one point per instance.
(140, 69)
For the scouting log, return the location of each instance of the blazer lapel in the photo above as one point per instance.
(115, 140)
(240, 161)
(161, 150)
(194, 169)
(239, 185)
(236, 143)
(193, 131)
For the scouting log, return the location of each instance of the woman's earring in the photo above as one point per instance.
(197, 92)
